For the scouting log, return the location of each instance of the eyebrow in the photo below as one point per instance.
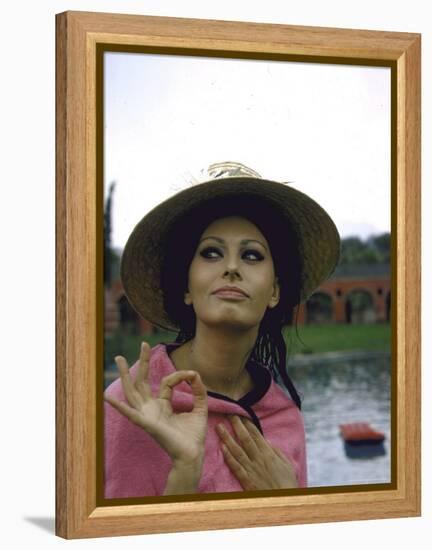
(242, 242)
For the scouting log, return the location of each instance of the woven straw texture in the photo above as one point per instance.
(318, 238)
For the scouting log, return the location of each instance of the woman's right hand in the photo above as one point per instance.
(181, 435)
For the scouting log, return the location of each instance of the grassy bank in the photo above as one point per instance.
(339, 337)
(310, 339)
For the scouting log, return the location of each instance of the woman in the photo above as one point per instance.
(224, 264)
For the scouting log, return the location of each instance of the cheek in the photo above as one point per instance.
(265, 282)
(198, 278)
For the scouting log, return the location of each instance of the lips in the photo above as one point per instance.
(231, 291)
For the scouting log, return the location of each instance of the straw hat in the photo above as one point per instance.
(142, 259)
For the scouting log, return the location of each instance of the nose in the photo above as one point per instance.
(232, 274)
(232, 269)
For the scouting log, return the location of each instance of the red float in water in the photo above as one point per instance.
(360, 432)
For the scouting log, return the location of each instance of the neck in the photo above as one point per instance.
(220, 357)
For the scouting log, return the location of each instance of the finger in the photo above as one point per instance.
(124, 409)
(285, 459)
(244, 437)
(128, 387)
(200, 395)
(234, 448)
(170, 381)
(279, 453)
(290, 467)
(237, 469)
(141, 380)
(255, 434)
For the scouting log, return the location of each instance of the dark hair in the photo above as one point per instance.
(270, 348)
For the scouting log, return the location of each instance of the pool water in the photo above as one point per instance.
(341, 393)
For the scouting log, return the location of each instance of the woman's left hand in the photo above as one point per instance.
(254, 462)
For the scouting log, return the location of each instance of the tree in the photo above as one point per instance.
(374, 250)
(382, 243)
(108, 253)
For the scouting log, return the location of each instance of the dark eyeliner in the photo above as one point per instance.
(205, 251)
(258, 256)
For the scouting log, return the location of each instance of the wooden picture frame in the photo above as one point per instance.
(81, 37)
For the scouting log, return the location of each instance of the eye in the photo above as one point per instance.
(210, 252)
(253, 255)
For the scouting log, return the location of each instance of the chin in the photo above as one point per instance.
(230, 323)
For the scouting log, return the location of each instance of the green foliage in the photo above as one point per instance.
(374, 250)
(128, 345)
(115, 264)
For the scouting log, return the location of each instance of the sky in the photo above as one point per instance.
(323, 128)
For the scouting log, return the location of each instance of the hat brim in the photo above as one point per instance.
(142, 258)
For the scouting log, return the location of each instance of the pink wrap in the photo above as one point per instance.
(135, 465)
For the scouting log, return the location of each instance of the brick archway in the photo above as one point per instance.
(359, 306)
(339, 286)
(319, 309)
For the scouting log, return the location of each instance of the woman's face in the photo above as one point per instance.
(231, 278)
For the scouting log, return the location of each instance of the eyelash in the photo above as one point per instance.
(206, 251)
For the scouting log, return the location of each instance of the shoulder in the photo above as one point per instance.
(278, 402)
(281, 396)
(281, 418)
